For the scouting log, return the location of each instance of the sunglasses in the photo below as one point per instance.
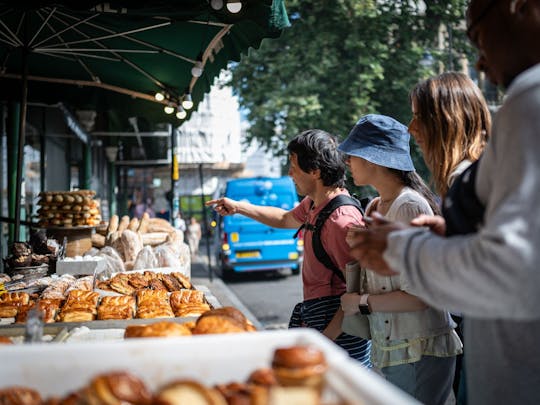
(481, 16)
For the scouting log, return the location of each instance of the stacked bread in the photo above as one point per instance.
(68, 208)
(144, 243)
(262, 388)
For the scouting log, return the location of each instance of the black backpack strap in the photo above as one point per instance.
(318, 248)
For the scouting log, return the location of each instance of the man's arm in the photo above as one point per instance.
(271, 216)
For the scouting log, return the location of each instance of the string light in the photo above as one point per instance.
(159, 96)
(169, 108)
(180, 113)
(216, 4)
(187, 102)
(234, 6)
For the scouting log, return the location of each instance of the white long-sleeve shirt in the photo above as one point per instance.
(492, 276)
(495, 273)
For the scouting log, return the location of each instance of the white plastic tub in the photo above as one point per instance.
(56, 369)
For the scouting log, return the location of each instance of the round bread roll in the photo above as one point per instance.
(188, 392)
(263, 376)
(217, 324)
(116, 388)
(300, 366)
(230, 312)
(158, 329)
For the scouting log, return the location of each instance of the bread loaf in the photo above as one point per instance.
(143, 224)
(123, 224)
(113, 224)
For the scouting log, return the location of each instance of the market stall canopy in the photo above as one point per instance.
(137, 48)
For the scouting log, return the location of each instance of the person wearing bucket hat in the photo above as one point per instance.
(413, 345)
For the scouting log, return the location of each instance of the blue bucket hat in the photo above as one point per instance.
(381, 140)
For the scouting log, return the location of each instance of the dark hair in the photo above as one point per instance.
(414, 181)
(317, 149)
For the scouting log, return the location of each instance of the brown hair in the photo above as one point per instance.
(453, 115)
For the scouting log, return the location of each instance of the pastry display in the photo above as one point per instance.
(299, 366)
(128, 283)
(122, 387)
(68, 208)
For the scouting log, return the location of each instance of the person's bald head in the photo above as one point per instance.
(505, 33)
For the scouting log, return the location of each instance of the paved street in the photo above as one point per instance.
(270, 297)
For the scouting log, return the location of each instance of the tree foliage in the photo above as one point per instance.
(341, 59)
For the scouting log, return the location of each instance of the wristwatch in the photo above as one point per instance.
(364, 306)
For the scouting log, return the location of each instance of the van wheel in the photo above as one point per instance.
(227, 274)
(296, 271)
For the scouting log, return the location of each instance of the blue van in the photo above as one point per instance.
(248, 245)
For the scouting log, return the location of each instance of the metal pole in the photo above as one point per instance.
(175, 177)
(205, 224)
(20, 151)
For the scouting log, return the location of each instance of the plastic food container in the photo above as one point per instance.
(56, 368)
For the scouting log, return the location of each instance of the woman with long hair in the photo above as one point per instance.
(450, 124)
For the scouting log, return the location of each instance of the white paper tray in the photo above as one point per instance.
(56, 369)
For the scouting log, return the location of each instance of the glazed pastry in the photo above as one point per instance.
(122, 307)
(116, 388)
(19, 396)
(217, 324)
(184, 296)
(188, 392)
(300, 366)
(229, 312)
(158, 329)
(184, 280)
(185, 310)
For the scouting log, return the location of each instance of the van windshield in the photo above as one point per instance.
(285, 202)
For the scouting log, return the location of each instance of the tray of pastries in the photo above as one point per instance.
(145, 295)
(297, 366)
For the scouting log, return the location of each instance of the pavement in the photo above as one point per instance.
(203, 275)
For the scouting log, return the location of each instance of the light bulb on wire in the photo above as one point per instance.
(169, 109)
(159, 96)
(216, 4)
(187, 102)
(180, 113)
(197, 69)
(234, 6)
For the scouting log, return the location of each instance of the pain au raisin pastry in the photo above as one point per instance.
(80, 306)
(188, 392)
(115, 388)
(19, 396)
(303, 366)
(11, 302)
(117, 307)
(49, 308)
(153, 304)
(158, 329)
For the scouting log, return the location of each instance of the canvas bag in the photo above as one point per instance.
(357, 324)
